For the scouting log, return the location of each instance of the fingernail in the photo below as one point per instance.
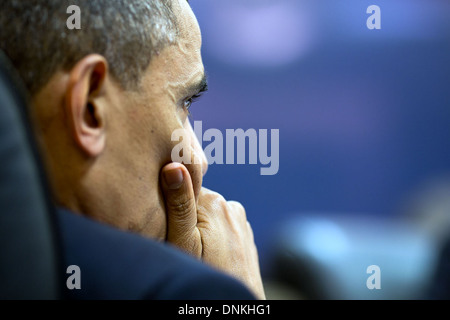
(174, 178)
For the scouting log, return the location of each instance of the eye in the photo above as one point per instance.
(187, 104)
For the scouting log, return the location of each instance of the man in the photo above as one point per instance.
(107, 98)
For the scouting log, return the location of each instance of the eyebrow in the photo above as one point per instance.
(199, 87)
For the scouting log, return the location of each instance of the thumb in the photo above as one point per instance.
(181, 208)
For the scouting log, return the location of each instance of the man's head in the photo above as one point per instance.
(108, 97)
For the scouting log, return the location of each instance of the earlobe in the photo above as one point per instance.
(85, 104)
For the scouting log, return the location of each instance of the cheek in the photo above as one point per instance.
(152, 132)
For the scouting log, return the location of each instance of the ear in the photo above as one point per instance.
(84, 104)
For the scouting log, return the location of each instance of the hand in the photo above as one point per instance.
(210, 228)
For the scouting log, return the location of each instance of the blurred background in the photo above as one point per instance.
(364, 120)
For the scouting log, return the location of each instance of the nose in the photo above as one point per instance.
(197, 148)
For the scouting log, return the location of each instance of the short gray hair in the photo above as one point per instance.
(128, 33)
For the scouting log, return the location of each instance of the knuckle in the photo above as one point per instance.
(208, 194)
(221, 202)
(237, 206)
(205, 191)
(238, 210)
(208, 197)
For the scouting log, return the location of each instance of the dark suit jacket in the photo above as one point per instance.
(120, 265)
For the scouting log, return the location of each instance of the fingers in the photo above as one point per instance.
(215, 231)
(176, 185)
(228, 239)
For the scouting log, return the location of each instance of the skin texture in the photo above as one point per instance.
(109, 155)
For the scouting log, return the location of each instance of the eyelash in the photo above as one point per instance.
(191, 101)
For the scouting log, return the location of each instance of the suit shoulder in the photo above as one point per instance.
(121, 265)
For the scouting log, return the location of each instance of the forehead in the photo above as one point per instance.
(186, 20)
(180, 65)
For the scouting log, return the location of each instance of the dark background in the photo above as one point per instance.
(364, 115)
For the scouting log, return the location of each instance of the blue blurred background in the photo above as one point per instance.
(364, 115)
